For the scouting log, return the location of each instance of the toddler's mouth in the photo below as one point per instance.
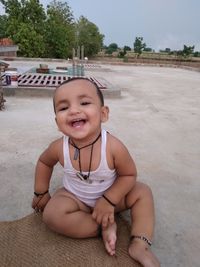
(78, 122)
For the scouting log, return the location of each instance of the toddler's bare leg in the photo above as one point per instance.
(67, 215)
(140, 201)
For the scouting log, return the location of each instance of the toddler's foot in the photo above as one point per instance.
(109, 235)
(139, 251)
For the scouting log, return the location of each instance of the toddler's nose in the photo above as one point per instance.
(74, 109)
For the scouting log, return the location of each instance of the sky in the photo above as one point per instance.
(161, 23)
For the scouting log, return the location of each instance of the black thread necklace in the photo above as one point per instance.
(77, 155)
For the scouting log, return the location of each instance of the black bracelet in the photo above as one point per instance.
(41, 194)
(111, 203)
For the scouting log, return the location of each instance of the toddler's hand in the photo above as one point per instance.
(103, 213)
(39, 203)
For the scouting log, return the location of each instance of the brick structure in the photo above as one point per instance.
(7, 48)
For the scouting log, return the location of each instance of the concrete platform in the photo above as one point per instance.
(31, 83)
(157, 117)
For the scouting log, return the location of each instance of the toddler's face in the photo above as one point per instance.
(79, 112)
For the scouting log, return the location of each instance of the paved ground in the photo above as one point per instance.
(157, 117)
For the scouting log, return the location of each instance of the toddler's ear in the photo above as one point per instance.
(104, 113)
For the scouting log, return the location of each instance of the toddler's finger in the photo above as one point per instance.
(99, 219)
(105, 221)
(111, 218)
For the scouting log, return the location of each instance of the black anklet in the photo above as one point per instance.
(142, 238)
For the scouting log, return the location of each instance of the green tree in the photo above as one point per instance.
(34, 14)
(148, 49)
(126, 48)
(88, 35)
(196, 54)
(29, 41)
(3, 26)
(139, 45)
(13, 13)
(25, 22)
(111, 48)
(122, 53)
(187, 50)
(59, 30)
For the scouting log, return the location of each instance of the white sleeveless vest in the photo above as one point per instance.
(100, 179)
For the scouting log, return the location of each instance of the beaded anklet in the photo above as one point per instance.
(142, 238)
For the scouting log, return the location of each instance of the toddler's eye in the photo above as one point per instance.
(85, 103)
(63, 108)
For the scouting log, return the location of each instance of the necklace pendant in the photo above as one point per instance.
(76, 154)
(81, 176)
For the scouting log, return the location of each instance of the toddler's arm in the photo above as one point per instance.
(126, 177)
(43, 172)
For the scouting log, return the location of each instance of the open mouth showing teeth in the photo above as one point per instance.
(78, 123)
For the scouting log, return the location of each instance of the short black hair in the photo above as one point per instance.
(99, 92)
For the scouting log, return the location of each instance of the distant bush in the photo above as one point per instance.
(125, 59)
(196, 54)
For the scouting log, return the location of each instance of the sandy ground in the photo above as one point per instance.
(157, 117)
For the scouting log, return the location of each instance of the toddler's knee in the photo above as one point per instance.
(138, 192)
(146, 188)
(143, 189)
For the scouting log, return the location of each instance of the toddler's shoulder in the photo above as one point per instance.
(115, 144)
(56, 145)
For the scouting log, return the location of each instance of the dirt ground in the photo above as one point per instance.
(157, 117)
